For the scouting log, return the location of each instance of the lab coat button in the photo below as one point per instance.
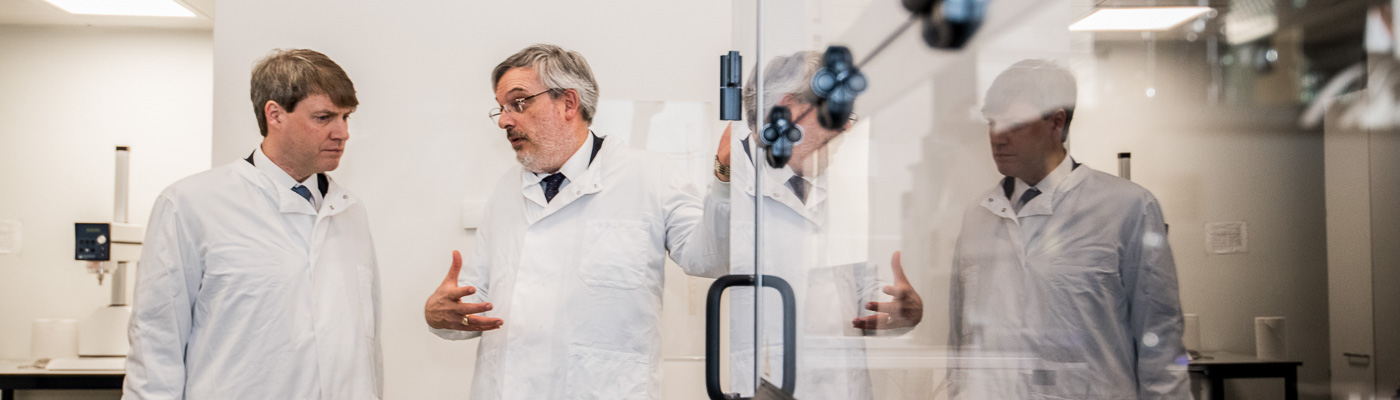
(332, 208)
(344, 196)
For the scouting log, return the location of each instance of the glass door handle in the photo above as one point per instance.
(712, 333)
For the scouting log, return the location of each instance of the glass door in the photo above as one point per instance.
(1011, 199)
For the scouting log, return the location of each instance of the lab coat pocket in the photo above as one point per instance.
(617, 254)
(596, 374)
(1090, 270)
(1063, 381)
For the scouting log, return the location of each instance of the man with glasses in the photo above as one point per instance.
(564, 287)
(831, 298)
(1063, 281)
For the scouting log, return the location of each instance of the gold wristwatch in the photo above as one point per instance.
(721, 169)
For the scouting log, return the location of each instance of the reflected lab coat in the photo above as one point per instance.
(1085, 308)
(579, 287)
(232, 302)
(831, 357)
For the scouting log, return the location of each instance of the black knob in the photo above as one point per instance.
(919, 6)
(779, 136)
(837, 84)
(951, 23)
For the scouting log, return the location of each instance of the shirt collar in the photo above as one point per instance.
(573, 168)
(816, 185)
(1046, 185)
(280, 177)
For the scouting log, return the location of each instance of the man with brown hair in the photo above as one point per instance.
(259, 279)
(1063, 283)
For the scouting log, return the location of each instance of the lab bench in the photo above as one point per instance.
(1221, 366)
(13, 376)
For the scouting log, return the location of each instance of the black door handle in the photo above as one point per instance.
(712, 331)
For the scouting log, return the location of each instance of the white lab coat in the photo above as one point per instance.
(233, 303)
(579, 288)
(831, 361)
(1085, 308)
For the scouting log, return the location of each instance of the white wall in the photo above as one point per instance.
(70, 95)
(421, 142)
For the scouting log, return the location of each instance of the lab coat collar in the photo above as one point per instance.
(1042, 204)
(335, 198)
(588, 182)
(1061, 180)
(775, 187)
(317, 183)
(573, 169)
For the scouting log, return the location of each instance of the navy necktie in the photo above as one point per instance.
(1026, 197)
(303, 191)
(799, 186)
(551, 186)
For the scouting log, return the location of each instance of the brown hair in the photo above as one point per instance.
(289, 76)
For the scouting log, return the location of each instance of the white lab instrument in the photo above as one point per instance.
(109, 248)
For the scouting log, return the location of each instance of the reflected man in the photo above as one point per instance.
(830, 342)
(1062, 273)
(564, 288)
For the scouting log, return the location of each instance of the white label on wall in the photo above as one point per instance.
(1227, 237)
(9, 236)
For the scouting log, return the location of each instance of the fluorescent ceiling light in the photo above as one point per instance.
(1136, 19)
(143, 8)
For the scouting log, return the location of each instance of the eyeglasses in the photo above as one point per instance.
(517, 106)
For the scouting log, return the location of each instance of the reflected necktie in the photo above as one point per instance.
(551, 185)
(303, 191)
(1026, 197)
(799, 186)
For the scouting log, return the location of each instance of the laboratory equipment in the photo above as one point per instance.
(109, 248)
(731, 86)
(1125, 166)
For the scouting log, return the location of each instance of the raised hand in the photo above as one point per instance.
(445, 309)
(905, 310)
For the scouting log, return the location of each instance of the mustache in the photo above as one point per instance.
(512, 134)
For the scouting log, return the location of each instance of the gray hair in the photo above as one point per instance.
(785, 75)
(559, 70)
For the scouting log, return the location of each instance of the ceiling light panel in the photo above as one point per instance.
(1138, 19)
(143, 8)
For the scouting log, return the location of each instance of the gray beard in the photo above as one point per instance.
(535, 162)
(529, 162)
